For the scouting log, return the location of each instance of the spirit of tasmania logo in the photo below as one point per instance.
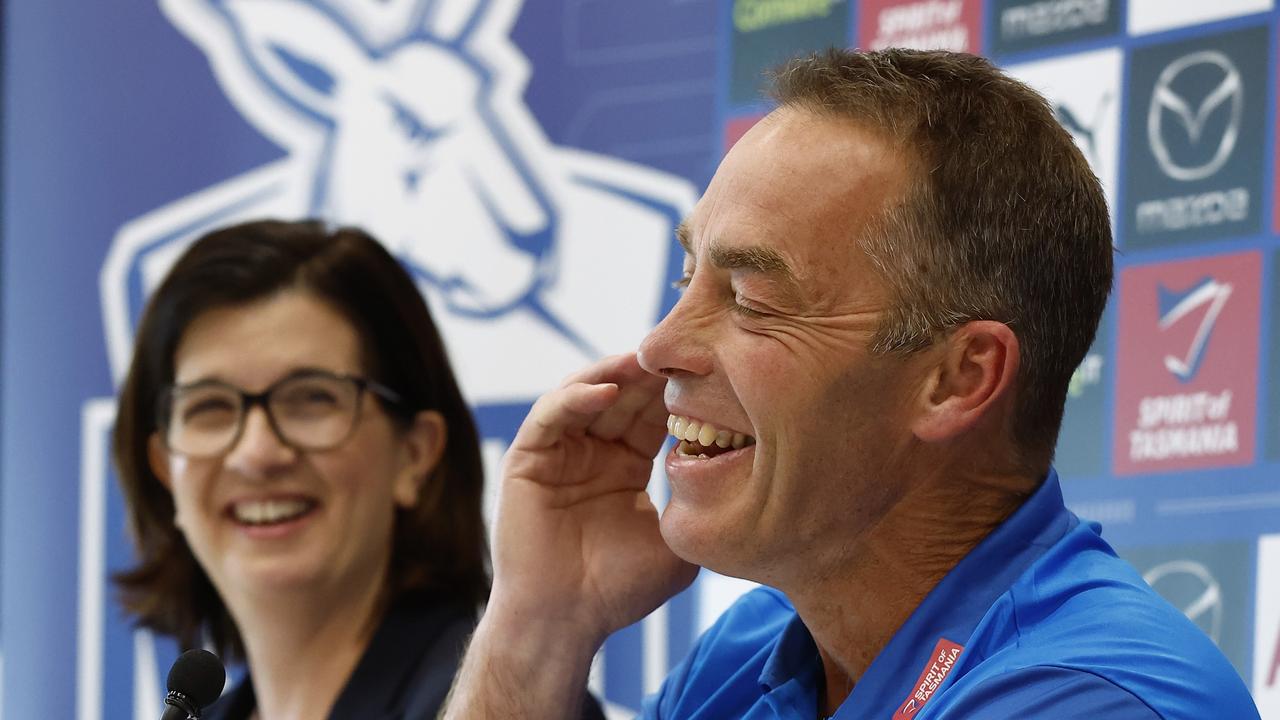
(406, 118)
(935, 672)
(925, 24)
(1187, 364)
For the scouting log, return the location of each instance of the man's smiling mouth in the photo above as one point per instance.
(702, 439)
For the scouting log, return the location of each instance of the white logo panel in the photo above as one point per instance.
(1266, 638)
(1084, 92)
(716, 594)
(1148, 16)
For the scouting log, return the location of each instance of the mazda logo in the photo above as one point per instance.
(1191, 588)
(1193, 118)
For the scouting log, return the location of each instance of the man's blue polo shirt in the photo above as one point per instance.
(1040, 620)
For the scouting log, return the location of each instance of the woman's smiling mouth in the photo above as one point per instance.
(270, 511)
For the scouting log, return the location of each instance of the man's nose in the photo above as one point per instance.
(259, 450)
(680, 345)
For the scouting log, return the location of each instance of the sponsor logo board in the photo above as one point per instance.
(921, 24)
(1266, 629)
(1210, 584)
(1018, 25)
(1148, 16)
(1082, 439)
(1084, 91)
(767, 32)
(1195, 121)
(1187, 364)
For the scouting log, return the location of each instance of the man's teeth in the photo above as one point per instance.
(706, 434)
(266, 512)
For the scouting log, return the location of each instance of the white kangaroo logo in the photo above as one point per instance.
(406, 139)
(405, 118)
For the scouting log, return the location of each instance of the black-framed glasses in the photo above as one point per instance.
(307, 410)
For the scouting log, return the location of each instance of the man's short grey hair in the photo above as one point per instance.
(1003, 219)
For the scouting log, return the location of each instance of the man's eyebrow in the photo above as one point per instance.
(684, 237)
(760, 259)
(755, 258)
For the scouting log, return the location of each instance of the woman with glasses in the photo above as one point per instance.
(303, 477)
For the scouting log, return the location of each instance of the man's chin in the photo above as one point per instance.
(695, 538)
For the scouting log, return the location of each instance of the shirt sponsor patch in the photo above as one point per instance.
(940, 664)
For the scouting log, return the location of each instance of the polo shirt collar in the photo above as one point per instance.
(950, 611)
(794, 658)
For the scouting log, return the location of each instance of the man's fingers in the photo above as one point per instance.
(649, 429)
(569, 409)
(621, 416)
(621, 369)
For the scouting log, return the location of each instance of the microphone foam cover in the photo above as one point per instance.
(199, 675)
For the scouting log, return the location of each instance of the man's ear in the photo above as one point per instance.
(158, 458)
(424, 444)
(973, 379)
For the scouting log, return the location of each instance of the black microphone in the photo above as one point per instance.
(195, 681)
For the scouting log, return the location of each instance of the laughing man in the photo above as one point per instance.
(887, 287)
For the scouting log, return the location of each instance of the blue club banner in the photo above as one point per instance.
(528, 162)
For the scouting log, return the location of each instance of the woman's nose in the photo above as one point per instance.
(259, 449)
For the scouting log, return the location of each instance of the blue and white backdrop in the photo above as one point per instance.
(528, 161)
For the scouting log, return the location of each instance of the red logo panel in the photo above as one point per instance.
(921, 24)
(1187, 364)
(735, 128)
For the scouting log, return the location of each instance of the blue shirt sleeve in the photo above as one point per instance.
(1042, 693)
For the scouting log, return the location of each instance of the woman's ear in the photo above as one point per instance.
(424, 444)
(158, 458)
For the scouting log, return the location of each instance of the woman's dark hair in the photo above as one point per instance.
(438, 550)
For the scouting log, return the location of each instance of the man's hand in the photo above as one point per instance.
(577, 550)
